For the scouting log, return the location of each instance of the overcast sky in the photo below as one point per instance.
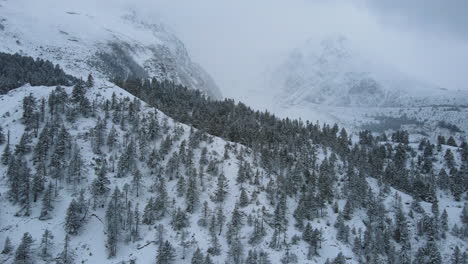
(237, 41)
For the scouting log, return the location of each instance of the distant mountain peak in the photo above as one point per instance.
(333, 71)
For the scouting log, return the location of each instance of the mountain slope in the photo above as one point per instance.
(112, 44)
(335, 73)
(286, 187)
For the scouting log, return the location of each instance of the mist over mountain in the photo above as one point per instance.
(117, 147)
(334, 72)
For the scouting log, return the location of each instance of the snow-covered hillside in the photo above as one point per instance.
(193, 190)
(108, 42)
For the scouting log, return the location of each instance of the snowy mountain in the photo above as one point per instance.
(335, 73)
(92, 174)
(111, 44)
(141, 170)
(334, 81)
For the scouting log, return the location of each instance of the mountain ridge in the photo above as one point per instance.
(110, 45)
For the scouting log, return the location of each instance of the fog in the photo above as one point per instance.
(237, 42)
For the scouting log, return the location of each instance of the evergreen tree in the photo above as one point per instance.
(244, 198)
(101, 183)
(166, 253)
(23, 254)
(179, 220)
(113, 222)
(464, 214)
(451, 142)
(235, 225)
(136, 229)
(148, 213)
(47, 203)
(221, 189)
(205, 213)
(73, 219)
(29, 108)
(6, 155)
(208, 260)
(75, 167)
(198, 257)
(348, 211)
(24, 146)
(2, 136)
(137, 181)
(112, 138)
(38, 184)
(90, 81)
(192, 195)
(46, 244)
(429, 254)
(7, 247)
(160, 204)
(66, 256)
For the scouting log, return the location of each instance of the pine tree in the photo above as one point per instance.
(166, 253)
(192, 195)
(113, 222)
(101, 183)
(340, 259)
(47, 203)
(181, 186)
(252, 257)
(208, 260)
(235, 225)
(46, 244)
(235, 252)
(137, 181)
(29, 108)
(78, 93)
(279, 223)
(112, 138)
(244, 198)
(90, 81)
(160, 204)
(73, 219)
(179, 220)
(428, 254)
(220, 218)
(348, 210)
(43, 144)
(136, 229)
(6, 155)
(38, 185)
(464, 214)
(197, 257)
(205, 213)
(221, 189)
(24, 146)
(148, 212)
(23, 253)
(2, 136)
(444, 221)
(451, 142)
(7, 247)
(66, 256)
(153, 127)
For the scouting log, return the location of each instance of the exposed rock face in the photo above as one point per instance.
(107, 45)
